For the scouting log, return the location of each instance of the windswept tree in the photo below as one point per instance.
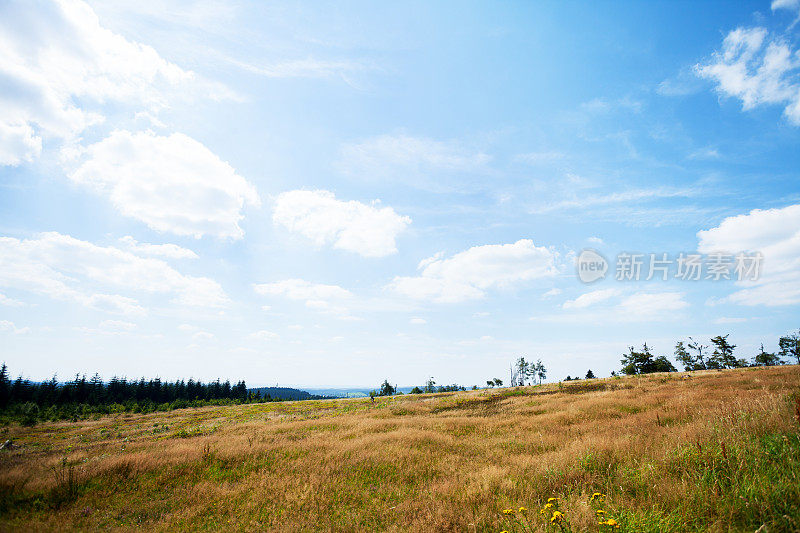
(489, 383)
(430, 385)
(683, 356)
(698, 361)
(590, 374)
(539, 371)
(764, 358)
(498, 382)
(790, 346)
(723, 357)
(523, 369)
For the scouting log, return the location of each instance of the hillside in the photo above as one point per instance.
(706, 451)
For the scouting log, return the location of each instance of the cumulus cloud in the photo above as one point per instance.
(171, 251)
(469, 274)
(591, 298)
(326, 299)
(64, 268)
(776, 234)
(368, 230)
(299, 289)
(60, 68)
(410, 160)
(758, 69)
(173, 184)
(7, 325)
(263, 335)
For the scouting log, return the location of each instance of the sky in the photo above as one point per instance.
(332, 194)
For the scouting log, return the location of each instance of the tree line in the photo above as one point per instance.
(719, 354)
(28, 401)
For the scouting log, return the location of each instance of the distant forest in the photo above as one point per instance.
(28, 401)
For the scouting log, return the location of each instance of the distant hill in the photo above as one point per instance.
(352, 393)
(287, 393)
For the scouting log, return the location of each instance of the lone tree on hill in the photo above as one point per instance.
(387, 389)
(590, 374)
(498, 382)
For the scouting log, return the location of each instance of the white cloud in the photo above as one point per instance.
(10, 302)
(776, 234)
(652, 304)
(203, 336)
(60, 68)
(65, 268)
(18, 143)
(298, 289)
(171, 251)
(417, 320)
(591, 298)
(117, 325)
(263, 335)
(595, 240)
(469, 274)
(555, 291)
(7, 325)
(757, 69)
(410, 160)
(369, 230)
(632, 195)
(326, 299)
(172, 184)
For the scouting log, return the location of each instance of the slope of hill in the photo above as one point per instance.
(706, 451)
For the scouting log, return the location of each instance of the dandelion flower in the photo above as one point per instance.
(523, 510)
(508, 511)
(557, 517)
(552, 500)
(600, 512)
(597, 496)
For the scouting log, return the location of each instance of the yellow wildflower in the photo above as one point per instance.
(611, 522)
(523, 510)
(552, 500)
(600, 512)
(597, 496)
(548, 506)
(508, 511)
(557, 517)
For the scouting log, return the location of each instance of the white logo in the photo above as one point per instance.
(591, 266)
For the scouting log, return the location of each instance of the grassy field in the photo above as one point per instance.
(706, 451)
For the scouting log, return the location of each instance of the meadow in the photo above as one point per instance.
(698, 451)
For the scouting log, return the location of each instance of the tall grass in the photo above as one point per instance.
(709, 451)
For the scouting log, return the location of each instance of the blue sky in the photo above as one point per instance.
(333, 194)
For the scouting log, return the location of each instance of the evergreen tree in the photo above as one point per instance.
(764, 358)
(590, 374)
(723, 357)
(790, 346)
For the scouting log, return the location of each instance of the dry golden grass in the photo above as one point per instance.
(440, 462)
